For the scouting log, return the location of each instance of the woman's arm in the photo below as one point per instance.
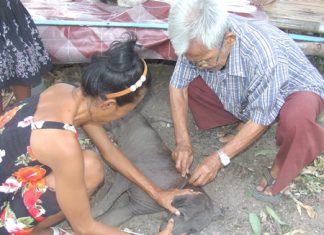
(121, 163)
(61, 151)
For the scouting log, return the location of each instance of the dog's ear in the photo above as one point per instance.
(179, 201)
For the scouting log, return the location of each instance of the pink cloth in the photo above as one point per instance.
(299, 137)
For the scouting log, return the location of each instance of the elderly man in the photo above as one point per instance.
(232, 70)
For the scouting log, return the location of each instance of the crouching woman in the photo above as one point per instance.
(45, 176)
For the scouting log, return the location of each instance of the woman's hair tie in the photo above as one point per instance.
(133, 87)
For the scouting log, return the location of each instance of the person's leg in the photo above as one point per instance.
(205, 106)
(21, 92)
(94, 176)
(299, 137)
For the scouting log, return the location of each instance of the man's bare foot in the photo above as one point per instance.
(266, 181)
(262, 185)
(227, 133)
(263, 190)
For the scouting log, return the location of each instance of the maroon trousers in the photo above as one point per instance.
(299, 137)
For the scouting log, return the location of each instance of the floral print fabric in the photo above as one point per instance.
(25, 200)
(23, 58)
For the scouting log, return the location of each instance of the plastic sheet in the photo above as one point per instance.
(73, 31)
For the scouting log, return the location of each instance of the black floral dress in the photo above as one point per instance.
(23, 58)
(25, 200)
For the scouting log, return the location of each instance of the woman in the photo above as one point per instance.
(44, 174)
(23, 58)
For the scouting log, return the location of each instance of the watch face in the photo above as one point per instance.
(225, 160)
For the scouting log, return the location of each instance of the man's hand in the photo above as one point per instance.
(206, 171)
(182, 155)
(168, 229)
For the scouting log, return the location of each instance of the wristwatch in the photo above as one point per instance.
(224, 159)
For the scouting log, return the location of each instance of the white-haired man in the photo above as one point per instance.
(232, 70)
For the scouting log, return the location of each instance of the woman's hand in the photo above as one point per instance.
(182, 155)
(206, 171)
(168, 229)
(165, 198)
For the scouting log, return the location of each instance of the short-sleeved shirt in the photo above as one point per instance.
(264, 67)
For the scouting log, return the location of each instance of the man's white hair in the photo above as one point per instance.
(202, 20)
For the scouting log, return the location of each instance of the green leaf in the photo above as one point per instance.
(273, 214)
(255, 223)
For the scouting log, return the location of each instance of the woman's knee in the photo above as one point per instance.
(94, 172)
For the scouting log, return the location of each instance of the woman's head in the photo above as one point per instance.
(109, 76)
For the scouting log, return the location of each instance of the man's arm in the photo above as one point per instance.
(247, 135)
(207, 170)
(182, 154)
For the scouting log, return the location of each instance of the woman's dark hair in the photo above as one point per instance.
(115, 70)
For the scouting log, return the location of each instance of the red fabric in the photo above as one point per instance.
(67, 44)
(77, 44)
(205, 106)
(299, 137)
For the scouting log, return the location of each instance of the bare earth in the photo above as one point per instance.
(233, 186)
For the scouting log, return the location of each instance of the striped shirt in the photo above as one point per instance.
(264, 67)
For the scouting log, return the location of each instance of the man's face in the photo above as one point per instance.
(211, 59)
(205, 58)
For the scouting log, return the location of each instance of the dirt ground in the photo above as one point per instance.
(232, 188)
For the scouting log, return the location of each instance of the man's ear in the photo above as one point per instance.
(229, 40)
(108, 104)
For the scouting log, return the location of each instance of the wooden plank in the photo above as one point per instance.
(301, 15)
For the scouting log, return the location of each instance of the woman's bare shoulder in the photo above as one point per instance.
(59, 87)
(52, 145)
(57, 103)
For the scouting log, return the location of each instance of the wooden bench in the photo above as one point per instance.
(303, 16)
